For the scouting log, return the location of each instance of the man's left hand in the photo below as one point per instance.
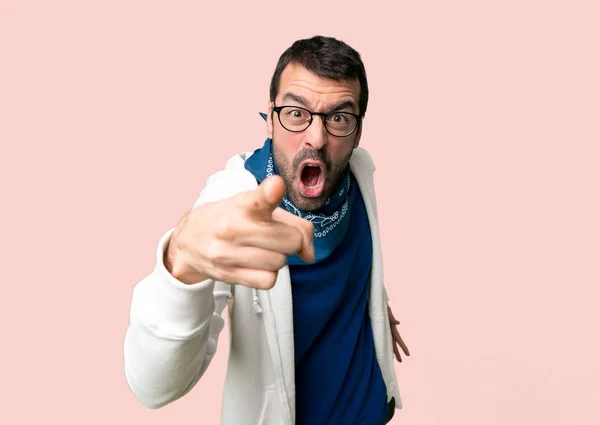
(397, 339)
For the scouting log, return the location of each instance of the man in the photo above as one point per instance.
(295, 220)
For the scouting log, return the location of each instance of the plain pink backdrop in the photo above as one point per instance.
(483, 121)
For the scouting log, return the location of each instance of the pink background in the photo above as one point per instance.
(484, 125)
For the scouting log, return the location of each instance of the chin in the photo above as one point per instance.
(312, 205)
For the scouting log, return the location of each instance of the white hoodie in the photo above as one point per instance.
(174, 328)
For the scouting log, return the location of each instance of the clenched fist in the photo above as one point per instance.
(242, 240)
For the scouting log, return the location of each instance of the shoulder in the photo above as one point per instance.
(361, 161)
(237, 161)
(229, 181)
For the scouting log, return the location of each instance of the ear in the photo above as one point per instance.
(270, 120)
(357, 137)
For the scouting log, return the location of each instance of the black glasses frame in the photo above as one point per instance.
(321, 114)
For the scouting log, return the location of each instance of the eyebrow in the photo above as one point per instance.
(295, 98)
(345, 104)
(337, 107)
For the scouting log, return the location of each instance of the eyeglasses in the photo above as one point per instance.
(297, 119)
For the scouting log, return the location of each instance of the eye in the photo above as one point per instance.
(296, 114)
(338, 118)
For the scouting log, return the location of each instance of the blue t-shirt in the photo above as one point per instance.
(338, 379)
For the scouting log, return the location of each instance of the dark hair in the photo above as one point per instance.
(328, 58)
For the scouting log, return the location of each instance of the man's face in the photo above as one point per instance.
(312, 161)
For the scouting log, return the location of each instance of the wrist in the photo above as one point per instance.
(179, 269)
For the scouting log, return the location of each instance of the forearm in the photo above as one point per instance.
(158, 369)
(172, 335)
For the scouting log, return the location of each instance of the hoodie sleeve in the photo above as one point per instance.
(174, 327)
(173, 333)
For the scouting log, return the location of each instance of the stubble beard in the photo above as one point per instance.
(289, 173)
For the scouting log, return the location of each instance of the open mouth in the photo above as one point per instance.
(312, 178)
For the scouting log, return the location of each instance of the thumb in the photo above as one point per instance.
(267, 197)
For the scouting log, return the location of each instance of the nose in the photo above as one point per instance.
(316, 135)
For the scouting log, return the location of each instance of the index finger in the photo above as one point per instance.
(268, 196)
(306, 228)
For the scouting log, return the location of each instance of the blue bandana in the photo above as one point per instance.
(330, 223)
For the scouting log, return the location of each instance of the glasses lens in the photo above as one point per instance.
(293, 118)
(340, 123)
